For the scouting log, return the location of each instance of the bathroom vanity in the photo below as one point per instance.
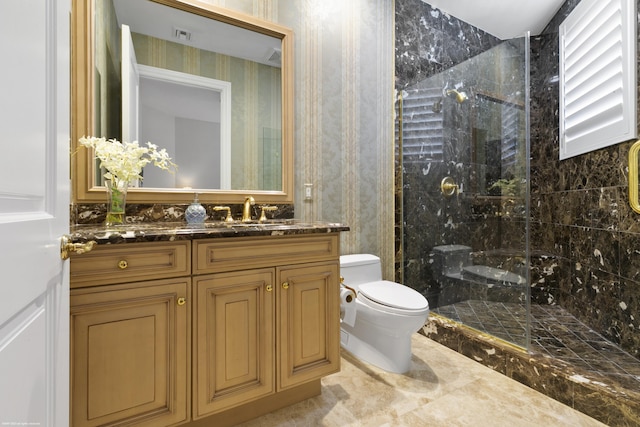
(207, 326)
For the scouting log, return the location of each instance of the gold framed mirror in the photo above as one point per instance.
(263, 170)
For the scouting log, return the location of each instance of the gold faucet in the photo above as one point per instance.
(264, 208)
(228, 218)
(246, 210)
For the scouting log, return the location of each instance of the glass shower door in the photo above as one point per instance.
(465, 152)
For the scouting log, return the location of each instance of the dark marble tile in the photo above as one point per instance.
(610, 408)
(630, 256)
(567, 361)
(604, 206)
(168, 231)
(540, 377)
(580, 218)
(561, 241)
(561, 207)
(95, 213)
(579, 205)
(605, 253)
(581, 245)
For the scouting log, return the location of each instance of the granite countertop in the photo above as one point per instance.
(173, 231)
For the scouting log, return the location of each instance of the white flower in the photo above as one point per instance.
(124, 161)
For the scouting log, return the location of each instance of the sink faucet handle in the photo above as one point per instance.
(266, 208)
(228, 218)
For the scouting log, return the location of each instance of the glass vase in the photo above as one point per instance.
(116, 201)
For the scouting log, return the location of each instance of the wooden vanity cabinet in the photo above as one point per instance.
(216, 331)
(261, 332)
(308, 319)
(233, 334)
(130, 338)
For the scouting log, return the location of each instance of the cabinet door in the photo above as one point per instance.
(129, 358)
(233, 339)
(309, 322)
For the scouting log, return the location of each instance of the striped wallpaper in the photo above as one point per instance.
(344, 53)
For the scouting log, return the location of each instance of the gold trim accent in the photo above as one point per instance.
(633, 177)
(85, 190)
(67, 248)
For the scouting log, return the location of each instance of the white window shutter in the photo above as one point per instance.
(597, 76)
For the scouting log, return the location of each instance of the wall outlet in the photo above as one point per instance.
(307, 191)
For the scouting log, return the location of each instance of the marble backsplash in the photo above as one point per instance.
(95, 213)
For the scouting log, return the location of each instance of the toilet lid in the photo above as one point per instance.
(394, 295)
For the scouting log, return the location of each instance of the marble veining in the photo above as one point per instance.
(568, 361)
(580, 213)
(442, 389)
(582, 233)
(168, 231)
(136, 213)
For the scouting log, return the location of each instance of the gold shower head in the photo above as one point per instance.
(460, 96)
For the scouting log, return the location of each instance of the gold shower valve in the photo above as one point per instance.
(448, 186)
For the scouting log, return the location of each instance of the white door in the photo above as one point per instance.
(34, 212)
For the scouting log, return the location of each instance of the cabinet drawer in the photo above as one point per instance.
(108, 264)
(217, 255)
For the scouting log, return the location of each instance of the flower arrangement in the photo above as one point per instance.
(124, 162)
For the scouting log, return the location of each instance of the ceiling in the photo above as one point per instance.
(505, 19)
(202, 33)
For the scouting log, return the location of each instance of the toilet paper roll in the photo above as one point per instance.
(347, 306)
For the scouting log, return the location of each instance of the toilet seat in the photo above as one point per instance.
(393, 297)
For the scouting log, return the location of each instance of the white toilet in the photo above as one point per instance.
(387, 314)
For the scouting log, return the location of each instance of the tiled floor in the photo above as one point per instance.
(554, 332)
(443, 388)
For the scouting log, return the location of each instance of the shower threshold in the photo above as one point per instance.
(567, 360)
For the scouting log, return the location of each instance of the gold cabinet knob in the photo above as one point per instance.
(123, 264)
(182, 301)
(269, 288)
(285, 285)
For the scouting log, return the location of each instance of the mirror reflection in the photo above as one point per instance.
(207, 91)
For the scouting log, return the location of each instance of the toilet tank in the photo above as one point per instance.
(360, 268)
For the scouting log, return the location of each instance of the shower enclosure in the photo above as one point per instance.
(464, 150)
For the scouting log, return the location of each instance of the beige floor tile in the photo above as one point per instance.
(443, 388)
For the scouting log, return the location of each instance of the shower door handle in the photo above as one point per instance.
(633, 177)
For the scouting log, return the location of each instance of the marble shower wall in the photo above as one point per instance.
(581, 217)
(441, 137)
(584, 235)
(343, 115)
